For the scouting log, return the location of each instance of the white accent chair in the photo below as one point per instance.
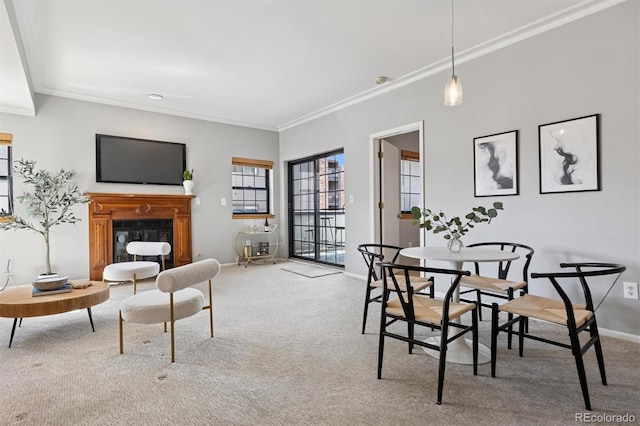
(173, 299)
(138, 269)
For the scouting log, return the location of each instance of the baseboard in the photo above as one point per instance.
(633, 338)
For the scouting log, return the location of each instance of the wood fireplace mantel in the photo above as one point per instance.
(105, 208)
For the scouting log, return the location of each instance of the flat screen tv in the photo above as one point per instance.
(129, 160)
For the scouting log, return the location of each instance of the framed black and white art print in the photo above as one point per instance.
(495, 159)
(568, 154)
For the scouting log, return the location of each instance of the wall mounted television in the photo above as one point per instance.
(130, 160)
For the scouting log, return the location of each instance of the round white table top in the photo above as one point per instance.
(467, 254)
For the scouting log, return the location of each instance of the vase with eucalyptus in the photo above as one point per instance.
(454, 228)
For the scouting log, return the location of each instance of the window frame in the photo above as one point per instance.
(260, 164)
(6, 140)
(411, 156)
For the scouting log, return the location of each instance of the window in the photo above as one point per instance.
(251, 184)
(409, 180)
(6, 190)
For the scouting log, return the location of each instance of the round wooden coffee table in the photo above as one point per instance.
(18, 302)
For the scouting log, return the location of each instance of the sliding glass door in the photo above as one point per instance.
(316, 208)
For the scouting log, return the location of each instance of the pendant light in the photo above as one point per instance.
(453, 89)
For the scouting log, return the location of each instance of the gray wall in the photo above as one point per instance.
(585, 67)
(62, 135)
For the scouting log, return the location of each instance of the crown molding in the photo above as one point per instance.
(175, 113)
(586, 8)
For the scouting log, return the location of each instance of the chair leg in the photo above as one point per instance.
(577, 353)
(443, 360)
(210, 309)
(411, 328)
(173, 341)
(479, 298)
(173, 325)
(521, 324)
(599, 354)
(383, 329)
(380, 353)
(366, 307)
(494, 337)
(510, 333)
(134, 283)
(120, 328)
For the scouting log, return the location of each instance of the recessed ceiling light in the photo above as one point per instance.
(381, 79)
(155, 96)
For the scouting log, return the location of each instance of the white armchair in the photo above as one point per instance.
(172, 300)
(138, 269)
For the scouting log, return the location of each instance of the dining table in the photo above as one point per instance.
(460, 350)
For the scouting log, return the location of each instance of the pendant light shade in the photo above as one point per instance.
(453, 89)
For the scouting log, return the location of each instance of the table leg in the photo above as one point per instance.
(91, 319)
(13, 330)
(460, 351)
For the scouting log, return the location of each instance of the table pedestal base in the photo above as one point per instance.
(460, 351)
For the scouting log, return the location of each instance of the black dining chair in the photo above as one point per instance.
(577, 316)
(373, 253)
(504, 283)
(420, 310)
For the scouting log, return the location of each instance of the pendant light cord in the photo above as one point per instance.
(453, 67)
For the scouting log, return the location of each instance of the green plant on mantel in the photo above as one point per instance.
(187, 174)
(455, 227)
(49, 202)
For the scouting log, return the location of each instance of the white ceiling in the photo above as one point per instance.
(261, 63)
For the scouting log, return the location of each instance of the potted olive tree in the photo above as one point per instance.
(49, 202)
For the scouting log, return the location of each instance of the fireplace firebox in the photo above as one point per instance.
(125, 231)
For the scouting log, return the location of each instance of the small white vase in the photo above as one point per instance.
(45, 275)
(455, 245)
(188, 187)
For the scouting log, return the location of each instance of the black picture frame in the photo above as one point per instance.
(495, 164)
(569, 155)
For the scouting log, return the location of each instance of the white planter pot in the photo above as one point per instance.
(188, 187)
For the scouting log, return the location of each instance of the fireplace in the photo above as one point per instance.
(108, 213)
(125, 231)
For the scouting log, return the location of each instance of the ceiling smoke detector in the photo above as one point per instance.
(381, 80)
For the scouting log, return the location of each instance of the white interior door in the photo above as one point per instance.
(390, 193)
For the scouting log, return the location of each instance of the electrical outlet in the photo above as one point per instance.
(630, 290)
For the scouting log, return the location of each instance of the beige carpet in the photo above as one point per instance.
(287, 351)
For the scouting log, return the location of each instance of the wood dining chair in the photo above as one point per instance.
(505, 282)
(373, 253)
(421, 310)
(577, 316)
